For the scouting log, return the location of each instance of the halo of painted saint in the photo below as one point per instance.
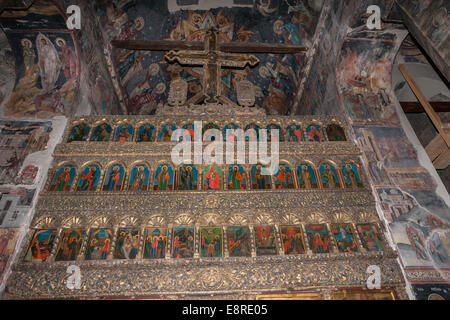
(239, 241)
(371, 238)
(187, 177)
(127, 243)
(163, 178)
(260, 181)
(318, 239)
(294, 133)
(124, 133)
(292, 240)
(252, 132)
(212, 177)
(41, 245)
(306, 176)
(284, 177)
(265, 240)
(182, 243)
(155, 243)
(344, 237)
(230, 135)
(99, 244)
(70, 245)
(79, 132)
(329, 176)
(146, 133)
(335, 133)
(139, 176)
(314, 133)
(271, 129)
(351, 175)
(114, 178)
(102, 132)
(211, 132)
(187, 132)
(165, 135)
(89, 177)
(211, 242)
(63, 178)
(237, 177)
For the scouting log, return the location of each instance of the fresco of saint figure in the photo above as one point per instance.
(146, 133)
(79, 132)
(335, 133)
(99, 244)
(239, 243)
(114, 178)
(89, 178)
(318, 239)
(329, 176)
(306, 176)
(314, 133)
(182, 243)
(272, 127)
(163, 177)
(231, 137)
(63, 178)
(101, 132)
(188, 132)
(166, 132)
(292, 240)
(211, 242)
(70, 245)
(265, 241)
(212, 179)
(41, 245)
(294, 133)
(344, 237)
(209, 134)
(284, 177)
(127, 243)
(252, 132)
(69, 60)
(124, 133)
(370, 237)
(155, 243)
(259, 181)
(187, 177)
(237, 177)
(139, 178)
(351, 176)
(48, 61)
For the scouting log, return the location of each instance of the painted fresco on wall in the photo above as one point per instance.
(8, 239)
(431, 291)
(252, 132)
(15, 206)
(165, 135)
(127, 243)
(335, 133)
(139, 178)
(63, 178)
(102, 132)
(146, 133)
(273, 127)
(232, 137)
(209, 134)
(292, 240)
(211, 242)
(306, 176)
(187, 177)
(371, 238)
(265, 240)
(79, 132)
(351, 176)
(344, 237)
(164, 178)
(284, 177)
(88, 179)
(212, 177)
(70, 245)
(155, 243)
(318, 239)
(188, 132)
(99, 244)
(294, 133)
(124, 133)
(183, 243)
(7, 68)
(41, 245)
(237, 177)
(329, 176)
(314, 133)
(259, 180)
(114, 178)
(239, 242)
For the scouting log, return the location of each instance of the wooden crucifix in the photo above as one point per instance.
(211, 54)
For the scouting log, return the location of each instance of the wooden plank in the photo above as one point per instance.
(436, 147)
(443, 161)
(425, 104)
(416, 107)
(253, 47)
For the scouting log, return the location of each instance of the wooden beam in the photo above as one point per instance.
(416, 107)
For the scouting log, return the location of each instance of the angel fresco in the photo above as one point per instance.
(239, 243)
(101, 132)
(49, 62)
(265, 241)
(335, 133)
(127, 243)
(370, 237)
(329, 176)
(212, 177)
(351, 176)
(344, 237)
(146, 133)
(139, 177)
(79, 132)
(187, 177)
(211, 242)
(292, 240)
(70, 245)
(124, 133)
(294, 133)
(252, 132)
(114, 178)
(229, 136)
(284, 177)
(166, 132)
(163, 178)
(63, 178)
(271, 128)
(306, 176)
(318, 238)
(259, 181)
(89, 178)
(99, 244)
(155, 243)
(183, 243)
(314, 133)
(41, 245)
(237, 177)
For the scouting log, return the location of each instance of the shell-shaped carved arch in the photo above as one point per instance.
(157, 220)
(340, 217)
(101, 222)
(72, 222)
(367, 216)
(290, 218)
(263, 218)
(46, 222)
(238, 219)
(315, 217)
(129, 221)
(184, 219)
(210, 219)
